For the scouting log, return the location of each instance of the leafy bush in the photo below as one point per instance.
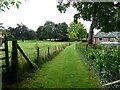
(105, 60)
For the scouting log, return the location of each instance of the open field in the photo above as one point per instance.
(29, 46)
(30, 49)
(66, 70)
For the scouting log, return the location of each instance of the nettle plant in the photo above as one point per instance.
(106, 62)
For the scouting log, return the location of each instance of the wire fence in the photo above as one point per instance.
(104, 61)
(30, 54)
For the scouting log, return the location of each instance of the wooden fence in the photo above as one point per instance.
(51, 51)
(6, 57)
(12, 69)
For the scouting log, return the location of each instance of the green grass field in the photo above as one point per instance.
(29, 46)
(30, 49)
(67, 70)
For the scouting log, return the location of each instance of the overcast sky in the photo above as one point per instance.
(34, 13)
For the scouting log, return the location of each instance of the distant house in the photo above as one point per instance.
(106, 37)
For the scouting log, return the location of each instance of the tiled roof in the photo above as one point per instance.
(110, 34)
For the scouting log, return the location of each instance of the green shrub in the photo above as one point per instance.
(105, 60)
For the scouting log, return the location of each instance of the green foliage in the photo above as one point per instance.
(6, 4)
(103, 15)
(62, 31)
(2, 29)
(108, 62)
(76, 31)
(105, 61)
(20, 32)
(40, 33)
(50, 30)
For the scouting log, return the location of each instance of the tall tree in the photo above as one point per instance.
(49, 30)
(76, 31)
(21, 32)
(103, 15)
(62, 31)
(40, 33)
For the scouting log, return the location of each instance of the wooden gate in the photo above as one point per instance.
(12, 69)
(6, 56)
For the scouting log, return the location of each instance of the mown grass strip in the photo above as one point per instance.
(67, 70)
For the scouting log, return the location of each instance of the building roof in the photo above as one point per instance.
(109, 34)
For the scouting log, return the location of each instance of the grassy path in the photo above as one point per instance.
(67, 70)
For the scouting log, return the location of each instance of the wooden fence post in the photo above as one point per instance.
(14, 67)
(26, 58)
(6, 55)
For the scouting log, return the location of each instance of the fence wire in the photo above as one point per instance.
(106, 75)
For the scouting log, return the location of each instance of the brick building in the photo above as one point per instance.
(106, 37)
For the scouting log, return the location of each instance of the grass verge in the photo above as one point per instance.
(67, 70)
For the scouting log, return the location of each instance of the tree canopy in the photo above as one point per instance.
(76, 31)
(103, 15)
(61, 31)
(50, 30)
(20, 32)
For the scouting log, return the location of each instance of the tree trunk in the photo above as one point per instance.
(91, 33)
